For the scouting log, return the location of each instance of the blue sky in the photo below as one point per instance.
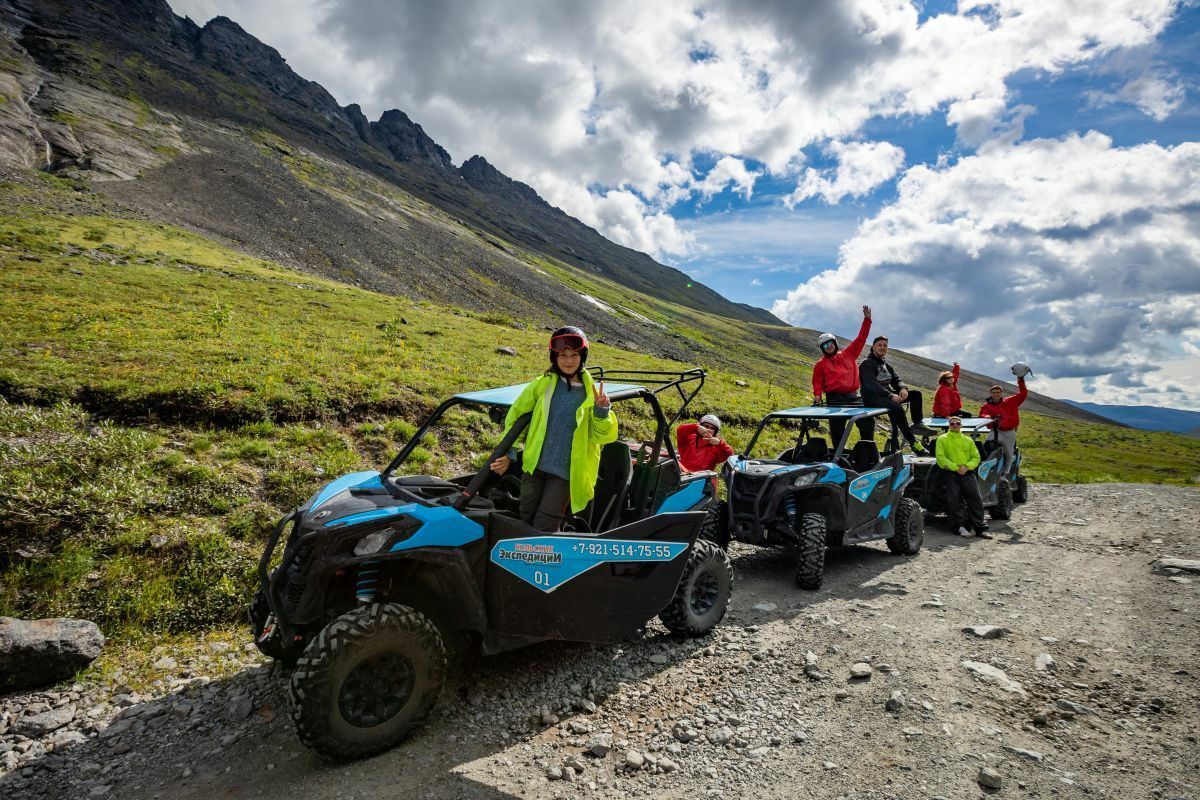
(756, 251)
(1000, 179)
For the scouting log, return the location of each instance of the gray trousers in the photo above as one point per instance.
(1008, 445)
(544, 500)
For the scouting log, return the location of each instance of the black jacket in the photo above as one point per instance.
(878, 379)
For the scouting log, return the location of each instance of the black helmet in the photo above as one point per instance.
(569, 338)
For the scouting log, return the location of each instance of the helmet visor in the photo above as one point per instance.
(568, 341)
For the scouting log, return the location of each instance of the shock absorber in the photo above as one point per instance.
(367, 582)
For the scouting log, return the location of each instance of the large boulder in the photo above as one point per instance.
(42, 652)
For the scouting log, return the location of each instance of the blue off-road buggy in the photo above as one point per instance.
(999, 491)
(813, 496)
(381, 571)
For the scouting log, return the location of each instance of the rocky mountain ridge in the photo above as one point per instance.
(219, 72)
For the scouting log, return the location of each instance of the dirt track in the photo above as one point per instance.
(1073, 565)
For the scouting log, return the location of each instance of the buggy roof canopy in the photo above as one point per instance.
(505, 396)
(968, 423)
(823, 412)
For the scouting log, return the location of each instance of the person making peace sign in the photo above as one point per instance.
(572, 419)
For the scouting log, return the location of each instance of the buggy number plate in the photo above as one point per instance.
(547, 562)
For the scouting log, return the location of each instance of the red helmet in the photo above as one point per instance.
(569, 338)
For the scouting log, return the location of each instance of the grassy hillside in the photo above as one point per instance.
(164, 399)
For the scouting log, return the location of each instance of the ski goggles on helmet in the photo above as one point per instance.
(568, 342)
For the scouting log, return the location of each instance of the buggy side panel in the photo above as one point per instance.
(694, 491)
(597, 588)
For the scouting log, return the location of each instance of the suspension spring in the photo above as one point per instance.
(367, 582)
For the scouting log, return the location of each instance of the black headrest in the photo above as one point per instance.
(816, 449)
(865, 454)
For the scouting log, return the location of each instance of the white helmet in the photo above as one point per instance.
(824, 339)
(711, 421)
(1021, 369)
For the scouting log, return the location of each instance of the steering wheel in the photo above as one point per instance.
(485, 471)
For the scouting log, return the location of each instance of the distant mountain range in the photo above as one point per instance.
(1150, 418)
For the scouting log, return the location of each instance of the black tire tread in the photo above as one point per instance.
(676, 616)
(311, 679)
(904, 541)
(1021, 490)
(1004, 501)
(810, 552)
(715, 528)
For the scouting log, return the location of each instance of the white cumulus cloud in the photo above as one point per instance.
(1078, 256)
(862, 166)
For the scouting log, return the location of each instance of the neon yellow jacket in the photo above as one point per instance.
(591, 434)
(955, 449)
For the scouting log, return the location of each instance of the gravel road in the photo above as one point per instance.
(1078, 676)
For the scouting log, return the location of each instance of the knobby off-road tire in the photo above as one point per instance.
(910, 529)
(1004, 501)
(810, 552)
(702, 598)
(272, 647)
(1021, 490)
(716, 525)
(367, 680)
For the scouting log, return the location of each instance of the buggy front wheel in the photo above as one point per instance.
(703, 594)
(910, 529)
(810, 552)
(1004, 501)
(715, 528)
(367, 680)
(1021, 490)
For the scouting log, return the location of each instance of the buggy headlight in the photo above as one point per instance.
(807, 479)
(373, 542)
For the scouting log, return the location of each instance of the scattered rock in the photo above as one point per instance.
(860, 669)
(42, 652)
(988, 778)
(990, 674)
(985, 631)
(720, 736)
(554, 773)
(39, 725)
(740, 383)
(1032, 755)
(1162, 565)
(165, 664)
(895, 703)
(1045, 663)
(765, 607)
(933, 604)
(506, 350)
(634, 760)
(599, 745)
(1076, 708)
(239, 709)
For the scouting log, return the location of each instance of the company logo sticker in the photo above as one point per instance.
(861, 487)
(547, 562)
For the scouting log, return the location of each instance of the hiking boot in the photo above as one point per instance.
(984, 534)
(921, 429)
(963, 532)
(918, 448)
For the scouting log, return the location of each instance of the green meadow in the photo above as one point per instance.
(163, 399)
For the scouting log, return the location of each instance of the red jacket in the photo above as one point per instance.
(1006, 409)
(695, 454)
(948, 401)
(839, 372)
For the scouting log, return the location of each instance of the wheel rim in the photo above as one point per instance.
(705, 592)
(376, 690)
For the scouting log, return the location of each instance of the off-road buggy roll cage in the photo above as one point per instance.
(810, 418)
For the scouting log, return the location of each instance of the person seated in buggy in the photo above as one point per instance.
(700, 446)
(571, 420)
